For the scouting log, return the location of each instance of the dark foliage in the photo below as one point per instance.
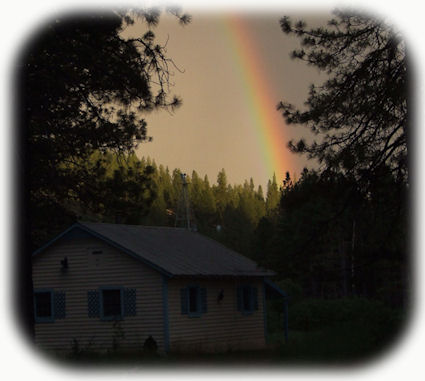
(85, 88)
(335, 241)
(360, 113)
(342, 230)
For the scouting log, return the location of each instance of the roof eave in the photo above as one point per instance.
(238, 275)
(275, 287)
(53, 240)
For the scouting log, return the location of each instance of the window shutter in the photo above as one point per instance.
(93, 303)
(203, 291)
(239, 298)
(59, 305)
(254, 292)
(184, 300)
(130, 302)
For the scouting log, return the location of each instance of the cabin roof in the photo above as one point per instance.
(172, 251)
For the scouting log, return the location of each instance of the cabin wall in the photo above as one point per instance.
(222, 327)
(84, 273)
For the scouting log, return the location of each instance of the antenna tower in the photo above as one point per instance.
(184, 215)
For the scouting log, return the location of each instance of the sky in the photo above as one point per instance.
(232, 71)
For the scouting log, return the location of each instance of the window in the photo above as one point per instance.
(43, 307)
(48, 305)
(111, 303)
(193, 301)
(247, 299)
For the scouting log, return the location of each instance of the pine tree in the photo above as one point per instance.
(273, 196)
(360, 113)
(260, 193)
(221, 192)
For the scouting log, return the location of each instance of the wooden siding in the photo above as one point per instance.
(115, 269)
(222, 327)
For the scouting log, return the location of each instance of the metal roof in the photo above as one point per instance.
(175, 251)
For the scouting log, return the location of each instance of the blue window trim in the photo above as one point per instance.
(111, 318)
(51, 318)
(201, 300)
(251, 299)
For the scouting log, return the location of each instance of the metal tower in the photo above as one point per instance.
(184, 215)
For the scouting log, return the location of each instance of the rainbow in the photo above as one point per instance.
(260, 99)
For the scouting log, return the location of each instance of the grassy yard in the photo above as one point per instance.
(321, 333)
(344, 345)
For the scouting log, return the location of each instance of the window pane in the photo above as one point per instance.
(247, 299)
(193, 299)
(43, 304)
(111, 302)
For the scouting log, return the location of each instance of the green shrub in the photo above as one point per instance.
(346, 329)
(316, 314)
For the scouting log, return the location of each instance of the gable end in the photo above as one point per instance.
(78, 230)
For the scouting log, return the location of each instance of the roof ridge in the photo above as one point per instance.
(131, 225)
(182, 229)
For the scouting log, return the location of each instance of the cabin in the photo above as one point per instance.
(108, 286)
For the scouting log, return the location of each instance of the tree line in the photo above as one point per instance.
(130, 190)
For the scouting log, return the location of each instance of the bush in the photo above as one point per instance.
(336, 330)
(317, 314)
(150, 347)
